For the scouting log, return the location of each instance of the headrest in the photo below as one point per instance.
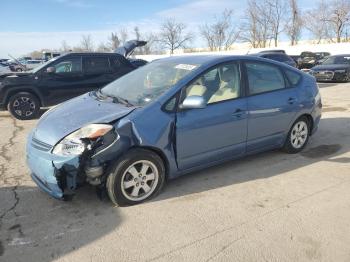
(228, 75)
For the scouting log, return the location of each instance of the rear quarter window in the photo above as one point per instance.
(293, 77)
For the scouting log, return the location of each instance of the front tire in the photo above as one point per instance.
(24, 106)
(136, 177)
(298, 136)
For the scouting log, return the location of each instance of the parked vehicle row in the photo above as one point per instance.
(305, 60)
(321, 65)
(168, 118)
(334, 68)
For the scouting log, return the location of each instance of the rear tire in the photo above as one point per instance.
(24, 106)
(138, 176)
(298, 136)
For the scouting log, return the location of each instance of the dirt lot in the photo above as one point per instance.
(268, 207)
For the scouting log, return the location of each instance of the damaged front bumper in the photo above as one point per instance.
(56, 175)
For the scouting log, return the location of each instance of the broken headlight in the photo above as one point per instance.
(73, 144)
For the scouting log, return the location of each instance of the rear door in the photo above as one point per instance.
(97, 72)
(219, 130)
(120, 66)
(272, 105)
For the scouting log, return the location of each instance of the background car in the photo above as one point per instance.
(171, 117)
(334, 68)
(4, 69)
(60, 79)
(280, 57)
(4, 60)
(31, 64)
(310, 59)
(16, 67)
(279, 51)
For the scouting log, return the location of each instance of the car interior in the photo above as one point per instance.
(217, 85)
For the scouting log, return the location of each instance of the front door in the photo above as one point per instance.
(217, 131)
(66, 82)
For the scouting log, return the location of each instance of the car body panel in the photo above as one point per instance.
(195, 126)
(269, 114)
(186, 140)
(99, 111)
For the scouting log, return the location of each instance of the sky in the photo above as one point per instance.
(32, 25)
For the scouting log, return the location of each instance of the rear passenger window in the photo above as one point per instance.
(115, 63)
(264, 78)
(96, 65)
(293, 77)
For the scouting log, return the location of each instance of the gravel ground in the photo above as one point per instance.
(268, 207)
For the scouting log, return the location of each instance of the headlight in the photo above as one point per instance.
(72, 145)
(340, 71)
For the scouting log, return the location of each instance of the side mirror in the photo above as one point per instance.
(51, 70)
(192, 102)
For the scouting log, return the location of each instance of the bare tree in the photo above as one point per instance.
(173, 35)
(87, 43)
(294, 24)
(338, 18)
(257, 26)
(137, 33)
(64, 46)
(277, 10)
(102, 47)
(315, 21)
(152, 45)
(123, 32)
(220, 34)
(113, 41)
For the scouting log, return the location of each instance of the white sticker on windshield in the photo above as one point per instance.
(185, 67)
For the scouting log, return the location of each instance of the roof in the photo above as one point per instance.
(90, 53)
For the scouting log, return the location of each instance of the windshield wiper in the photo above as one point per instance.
(121, 100)
(116, 99)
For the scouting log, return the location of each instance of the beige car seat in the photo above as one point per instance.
(229, 86)
(196, 89)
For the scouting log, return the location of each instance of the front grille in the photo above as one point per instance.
(40, 145)
(324, 74)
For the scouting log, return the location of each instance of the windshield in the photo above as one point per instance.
(37, 69)
(340, 60)
(147, 83)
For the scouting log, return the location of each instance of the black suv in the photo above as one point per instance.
(60, 79)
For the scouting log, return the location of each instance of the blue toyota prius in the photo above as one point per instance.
(168, 118)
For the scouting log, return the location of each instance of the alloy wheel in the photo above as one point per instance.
(24, 106)
(139, 180)
(299, 134)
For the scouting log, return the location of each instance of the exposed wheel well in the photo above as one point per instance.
(159, 153)
(310, 120)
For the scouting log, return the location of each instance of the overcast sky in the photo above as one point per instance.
(32, 25)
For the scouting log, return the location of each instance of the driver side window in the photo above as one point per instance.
(219, 84)
(69, 65)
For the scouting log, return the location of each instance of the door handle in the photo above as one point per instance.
(292, 100)
(238, 113)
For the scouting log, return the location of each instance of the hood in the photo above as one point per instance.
(129, 47)
(15, 75)
(330, 67)
(65, 118)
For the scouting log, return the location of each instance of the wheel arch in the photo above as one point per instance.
(14, 91)
(160, 153)
(310, 120)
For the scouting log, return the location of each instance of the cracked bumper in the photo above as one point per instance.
(53, 174)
